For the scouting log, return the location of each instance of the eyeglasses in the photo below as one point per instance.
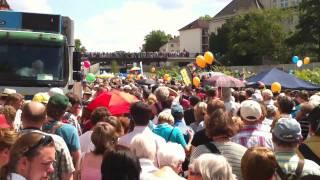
(45, 140)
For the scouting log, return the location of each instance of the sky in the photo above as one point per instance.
(121, 25)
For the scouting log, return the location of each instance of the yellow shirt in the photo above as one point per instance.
(313, 143)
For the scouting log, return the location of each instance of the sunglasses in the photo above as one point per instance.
(44, 141)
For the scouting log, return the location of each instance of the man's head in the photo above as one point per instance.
(141, 113)
(302, 96)
(75, 101)
(33, 114)
(314, 119)
(250, 111)
(286, 133)
(177, 111)
(267, 94)
(285, 104)
(99, 115)
(57, 106)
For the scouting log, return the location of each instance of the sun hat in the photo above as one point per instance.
(250, 110)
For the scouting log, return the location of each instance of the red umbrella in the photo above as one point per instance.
(223, 81)
(117, 102)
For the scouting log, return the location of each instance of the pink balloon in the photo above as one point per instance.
(86, 64)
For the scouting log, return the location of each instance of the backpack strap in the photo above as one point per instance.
(213, 148)
(308, 153)
(170, 134)
(55, 127)
(280, 173)
(299, 169)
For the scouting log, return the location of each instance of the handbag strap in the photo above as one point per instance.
(213, 148)
(308, 153)
(170, 134)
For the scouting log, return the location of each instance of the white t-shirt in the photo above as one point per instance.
(86, 144)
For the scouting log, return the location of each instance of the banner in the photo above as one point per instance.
(186, 76)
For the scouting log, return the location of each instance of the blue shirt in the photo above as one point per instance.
(68, 132)
(164, 130)
(183, 128)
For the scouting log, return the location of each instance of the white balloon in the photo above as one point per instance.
(299, 63)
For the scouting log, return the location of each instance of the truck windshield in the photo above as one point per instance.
(25, 64)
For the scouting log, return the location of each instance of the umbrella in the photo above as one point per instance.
(135, 69)
(117, 102)
(223, 81)
(146, 82)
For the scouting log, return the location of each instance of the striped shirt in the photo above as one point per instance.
(252, 136)
(288, 161)
(231, 151)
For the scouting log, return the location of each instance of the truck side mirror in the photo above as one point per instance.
(76, 61)
(77, 76)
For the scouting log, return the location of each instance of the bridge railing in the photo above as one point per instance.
(139, 55)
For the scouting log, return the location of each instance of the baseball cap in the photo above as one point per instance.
(8, 91)
(287, 130)
(176, 109)
(59, 100)
(41, 97)
(250, 110)
(54, 91)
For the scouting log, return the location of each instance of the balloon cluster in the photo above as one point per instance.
(296, 60)
(207, 59)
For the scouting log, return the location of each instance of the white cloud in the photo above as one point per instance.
(124, 28)
(38, 6)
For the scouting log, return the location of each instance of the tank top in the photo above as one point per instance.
(88, 170)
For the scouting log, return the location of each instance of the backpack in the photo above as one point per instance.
(291, 176)
(308, 153)
(213, 148)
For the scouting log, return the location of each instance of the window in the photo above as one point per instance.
(172, 45)
(284, 3)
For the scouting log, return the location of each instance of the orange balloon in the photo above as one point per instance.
(306, 60)
(208, 57)
(201, 61)
(276, 87)
(196, 81)
(166, 77)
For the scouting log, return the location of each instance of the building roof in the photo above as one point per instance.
(198, 23)
(176, 39)
(4, 4)
(239, 5)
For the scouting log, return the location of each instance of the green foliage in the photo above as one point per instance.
(174, 71)
(312, 76)
(307, 37)
(79, 47)
(251, 38)
(205, 17)
(155, 39)
(114, 67)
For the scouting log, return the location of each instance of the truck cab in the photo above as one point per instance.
(36, 52)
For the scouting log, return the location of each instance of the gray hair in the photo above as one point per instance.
(212, 166)
(143, 147)
(171, 154)
(162, 93)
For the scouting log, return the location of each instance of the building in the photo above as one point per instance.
(4, 5)
(237, 7)
(194, 37)
(172, 46)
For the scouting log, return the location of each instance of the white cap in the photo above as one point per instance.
(8, 91)
(250, 110)
(267, 92)
(54, 91)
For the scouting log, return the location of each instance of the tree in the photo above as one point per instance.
(252, 38)
(307, 36)
(154, 40)
(205, 17)
(114, 67)
(79, 47)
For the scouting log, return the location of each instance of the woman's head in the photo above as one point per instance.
(200, 111)
(168, 157)
(258, 163)
(220, 123)
(143, 147)
(103, 137)
(32, 156)
(10, 113)
(7, 138)
(165, 117)
(211, 166)
(120, 164)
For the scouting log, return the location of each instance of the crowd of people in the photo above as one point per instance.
(137, 55)
(171, 132)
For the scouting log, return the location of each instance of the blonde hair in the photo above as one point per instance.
(103, 137)
(200, 110)
(212, 166)
(166, 117)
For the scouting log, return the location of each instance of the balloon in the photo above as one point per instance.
(86, 64)
(166, 77)
(153, 69)
(306, 60)
(196, 81)
(299, 63)
(276, 87)
(90, 77)
(208, 57)
(295, 59)
(201, 61)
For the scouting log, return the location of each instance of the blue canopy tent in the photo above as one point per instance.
(286, 80)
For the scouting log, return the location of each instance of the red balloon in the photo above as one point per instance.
(86, 63)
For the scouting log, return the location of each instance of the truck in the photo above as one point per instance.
(37, 52)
